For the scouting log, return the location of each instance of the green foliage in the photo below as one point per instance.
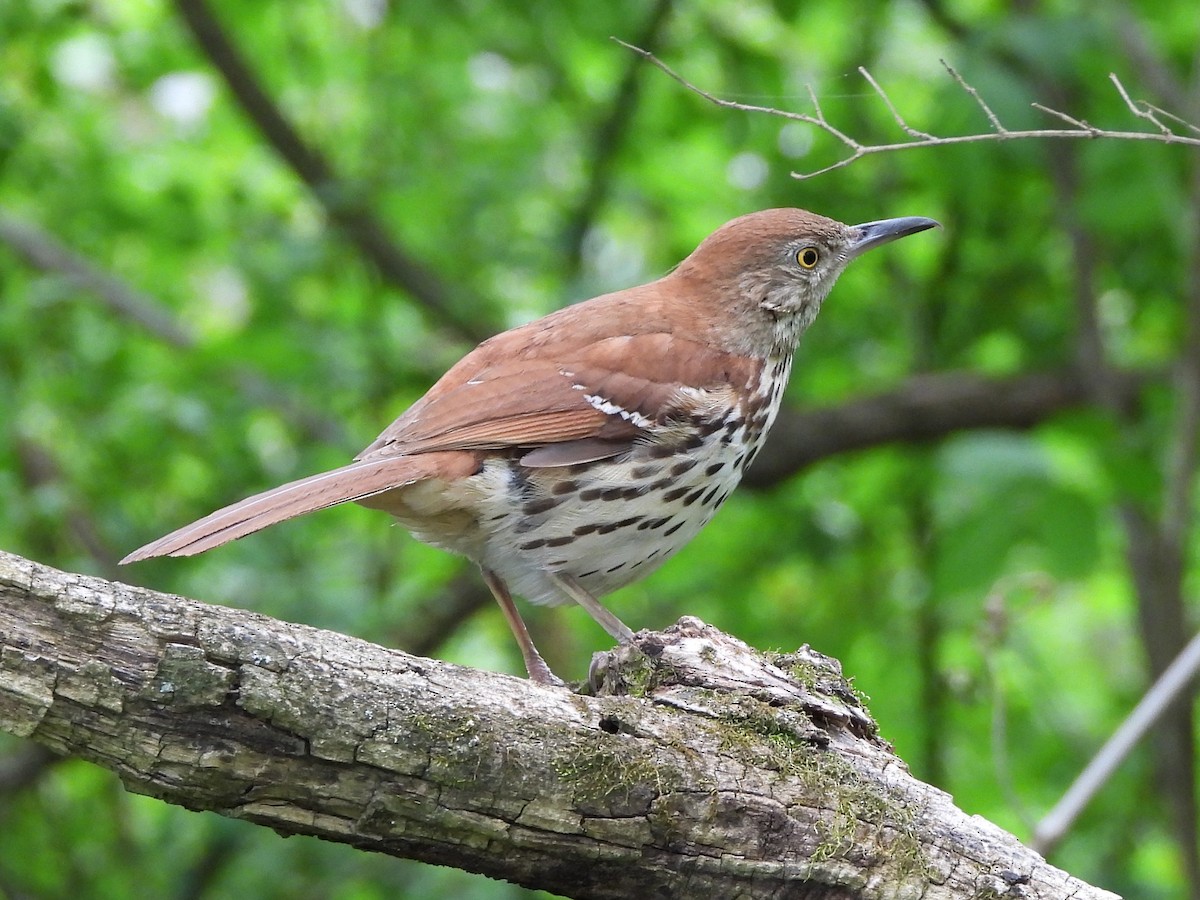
(976, 590)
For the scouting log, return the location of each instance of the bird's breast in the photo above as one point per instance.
(605, 522)
(609, 522)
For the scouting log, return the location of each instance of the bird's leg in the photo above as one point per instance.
(534, 664)
(595, 608)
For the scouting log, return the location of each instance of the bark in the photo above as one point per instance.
(695, 766)
(929, 408)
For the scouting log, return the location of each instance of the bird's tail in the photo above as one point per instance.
(356, 481)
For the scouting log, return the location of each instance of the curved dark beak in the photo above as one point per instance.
(875, 234)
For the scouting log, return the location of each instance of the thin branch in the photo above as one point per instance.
(1087, 130)
(823, 122)
(1143, 110)
(1181, 122)
(1079, 128)
(977, 97)
(1150, 62)
(396, 264)
(1170, 686)
(819, 119)
(904, 126)
(928, 408)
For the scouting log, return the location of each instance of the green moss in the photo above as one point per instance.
(819, 679)
(804, 674)
(604, 772)
(458, 750)
(861, 814)
(638, 675)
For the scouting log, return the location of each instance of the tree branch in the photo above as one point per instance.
(1176, 681)
(701, 768)
(397, 265)
(1162, 132)
(926, 408)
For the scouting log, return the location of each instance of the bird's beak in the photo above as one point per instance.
(874, 234)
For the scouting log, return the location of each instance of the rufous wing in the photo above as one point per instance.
(600, 399)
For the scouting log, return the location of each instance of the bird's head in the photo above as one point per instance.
(771, 270)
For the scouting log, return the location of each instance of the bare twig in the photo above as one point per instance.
(1170, 686)
(1078, 129)
(1143, 110)
(1082, 126)
(908, 129)
(977, 97)
(714, 99)
(819, 119)
(1150, 62)
(1178, 120)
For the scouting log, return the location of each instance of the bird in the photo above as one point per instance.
(575, 454)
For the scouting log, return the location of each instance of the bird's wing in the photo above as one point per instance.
(599, 398)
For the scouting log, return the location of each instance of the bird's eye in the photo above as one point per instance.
(808, 257)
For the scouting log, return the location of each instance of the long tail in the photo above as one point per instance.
(353, 482)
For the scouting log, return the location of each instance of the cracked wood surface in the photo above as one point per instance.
(697, 767)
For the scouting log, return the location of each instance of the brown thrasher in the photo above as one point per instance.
(573, 455)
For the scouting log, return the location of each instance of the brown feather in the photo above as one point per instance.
(353, 482)
(518, 403)
(528, 402)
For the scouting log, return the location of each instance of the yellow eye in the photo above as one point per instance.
(808, 257)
